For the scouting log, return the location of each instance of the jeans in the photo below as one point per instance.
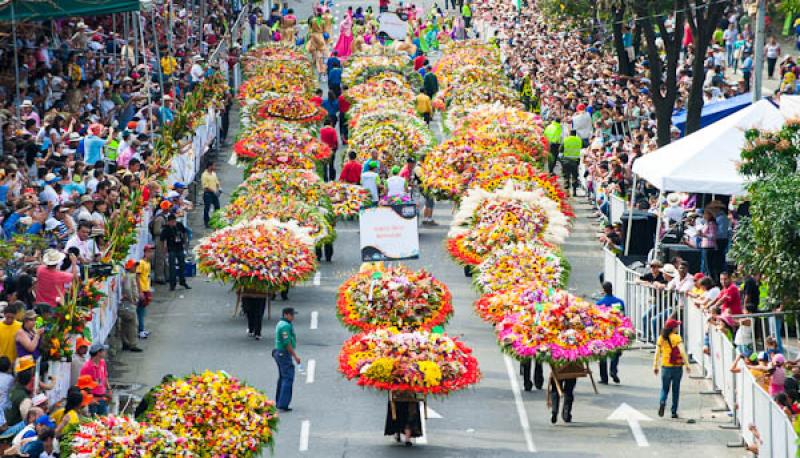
(283, 391)
(538, 375)
(771, 61)
(603, 365)
(327, 248)
(729, 53)
(209, 199)
(141, 311)
(100, 409)
(343, 130)
(705, 262)
(671, 376)
(177, 262)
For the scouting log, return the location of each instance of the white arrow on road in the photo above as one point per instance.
(433, 414)
(627, 413)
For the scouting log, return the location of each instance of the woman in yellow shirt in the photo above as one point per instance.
(69, 415)
(670, 359)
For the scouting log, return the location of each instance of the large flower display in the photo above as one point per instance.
(346, 199)
(462, 53)
(458, 100)
(275, 144)
(113, 436)
(376, 104)
(266, 205)
(293, 108)
(260, 255)
(363, 68)
(218, 414)
(519, 263)
(564, 328)
(493, 307)
(396, 296)
(381, 86)
(393, 135)
(487, 221)
(303, 185)
(419, 361)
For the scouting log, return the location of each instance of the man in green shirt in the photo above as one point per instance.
(466, 13)
(553, 133)
(285, 344)
(569, 161)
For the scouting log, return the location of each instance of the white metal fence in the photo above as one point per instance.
(760, 421)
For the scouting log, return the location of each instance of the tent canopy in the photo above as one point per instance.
(705, 161)
(713, 112)
(39, 10)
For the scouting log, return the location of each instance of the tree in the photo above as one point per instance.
(769, 241)
(663, 74)
(702, 17)
(617, 9)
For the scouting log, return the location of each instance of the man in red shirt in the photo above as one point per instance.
(51, 282)
(419, 62)
(96, 368)
(351, 172)
(344, 105)
(729, 300)
(317, 99)
(328, 136)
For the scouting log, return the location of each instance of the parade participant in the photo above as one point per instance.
(288, 26)
(79, 358)
(609, 300)
(553, 133)
(395, 185)
(568, 388)
(283, 353)
(424, 106)
(670, 359)
(430, 83)
(538, 374)
(175, 236)
(97, 370)
(253, 305)
(211, 191)
(145, 289)
(371, 181)
(344, 107)
(351, 171)
(407, 420)
(328, 136)
(345, 42)
(316, 39)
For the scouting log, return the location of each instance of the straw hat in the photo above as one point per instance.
(24, 363)
(52, 257)
(670, 270)
(673, 199)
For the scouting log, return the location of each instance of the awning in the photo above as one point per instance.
(39, 10)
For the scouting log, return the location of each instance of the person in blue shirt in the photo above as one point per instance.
(747, 69)
(612, 301)
(332, 107)
(335, 79)
(334, 59)
(93, 144)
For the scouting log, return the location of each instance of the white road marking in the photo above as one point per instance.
(423, 439)
(434, 414)
(312, 366)
(627, 413)
(314, 320)
(523, 415)
(305, 431)
(317, 277)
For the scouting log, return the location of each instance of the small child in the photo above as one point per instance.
(145, 289)
(743, 341)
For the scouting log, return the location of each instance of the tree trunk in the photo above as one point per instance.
(625, 67)
(702, 20)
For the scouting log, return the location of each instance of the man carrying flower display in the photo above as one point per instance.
(284, 352)
(610, 300)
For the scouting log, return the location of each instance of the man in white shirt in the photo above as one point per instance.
(82, 241)
(48, 194)
(682, 282)
(582, 124)
(370, 181)
(84, 212)
(196, 71)
(395, 185)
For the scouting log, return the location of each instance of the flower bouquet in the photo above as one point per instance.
(267, 205)
(347, 199)
(390, 85)
(113, 436)
(293, 108)
(260, 255)
(363, 68)
(518, 263)
(419, 361)
(375, 104)
(524, 177)
(393, 135)
(218, 414)
(70, 317)
(564, 329)
(303, 185)
(400, 199)
(493, 307)
(397, 296)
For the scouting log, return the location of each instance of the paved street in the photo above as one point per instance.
(194, 330)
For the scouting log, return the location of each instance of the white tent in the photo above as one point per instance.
(705, 161)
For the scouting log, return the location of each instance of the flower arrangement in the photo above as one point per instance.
(564, 328)
(274, 144)
(459, 99)
(380, 86)
(292, 108)
(113, 436)
(464, 53)
(397, 296)
(260, 255)
(280, 79)
(70, 317)
(400, 199)
(419, 361)
(346, 199)
(518, 263)
(218, 414)
(394, 135)
(375, 104)
(493, 307)
(303, 185)
(362, 68)
(267, 205)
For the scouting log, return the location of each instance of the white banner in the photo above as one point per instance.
(389, 233)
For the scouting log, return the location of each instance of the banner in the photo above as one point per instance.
(393, 25)
(389, 233)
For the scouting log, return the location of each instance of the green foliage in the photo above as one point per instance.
(771, 153)
(575, 10)
(789, 6)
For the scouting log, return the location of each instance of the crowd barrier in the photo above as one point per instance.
(760, 421)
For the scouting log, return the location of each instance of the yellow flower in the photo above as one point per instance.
(381, 369)
(432, 375)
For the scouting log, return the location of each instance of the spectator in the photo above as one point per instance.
(97, 370)
(8, 332)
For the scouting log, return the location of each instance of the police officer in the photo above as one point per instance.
(569, 161)
(553, 133)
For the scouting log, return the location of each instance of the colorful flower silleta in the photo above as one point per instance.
(274, 144)
(493, 307)
(519, 263)
(260, 255)
(564, 328)
(419, 362)
(397, 296)
(219, 415)
(117, 436)
(346, 199)
(292, 108)
(303, 185)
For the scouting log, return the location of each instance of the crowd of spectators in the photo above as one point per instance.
(78, 137)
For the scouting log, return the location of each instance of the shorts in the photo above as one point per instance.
(745, 350)
(429, 201)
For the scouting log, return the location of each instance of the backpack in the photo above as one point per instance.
(675, 357)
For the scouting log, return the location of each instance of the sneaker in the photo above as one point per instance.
(186, 285)
(142, 335)
(287, 409)
(258, 337)
(432, 223)
(615, 379)
(661, 410)
(674, 415)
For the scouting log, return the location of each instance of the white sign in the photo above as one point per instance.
(391, 23)
(389, 233)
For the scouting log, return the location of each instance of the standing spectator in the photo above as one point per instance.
(747, 69)
(772, 51)
(211, 191)
(52, 282)
(582, 125)
(708, 242)
(145, 289)
(97, 370)
(284, 352)
(127, 307)
(611, 301)
(8, 332)
(351, 171)
(79, 359)
(29, 336)
(6, 383)
(176, 237)
(157, 225)
(670, 359)
(729, 299)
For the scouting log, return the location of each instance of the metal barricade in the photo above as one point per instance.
(616, 208)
